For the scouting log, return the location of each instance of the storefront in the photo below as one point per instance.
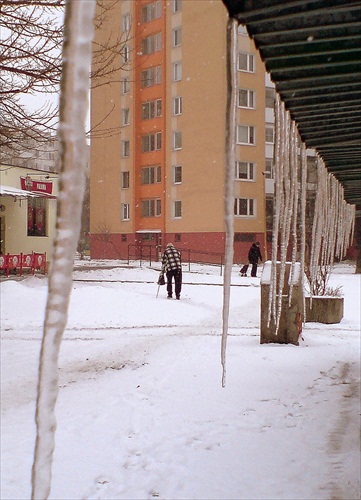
(27, 210)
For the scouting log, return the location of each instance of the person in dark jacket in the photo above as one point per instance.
(172, 267)
(254, 255)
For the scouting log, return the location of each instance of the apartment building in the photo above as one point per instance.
(160, 176)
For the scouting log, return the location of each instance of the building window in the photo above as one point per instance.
(151, 109)
(249, 237)
(151, 11)
(125, 213)
(244, 207)
(177, 140)
(177, 174)
(125, 85)
(245, 170)
(177, 237)
(270, 98)
(246, 62)
(124, 237)
(246, 98)
(152, 43)
(125, 180)
(269, 172)
(36, 217)
(126, 22)
(151, 175)
(177, 71)
(177, 106)
(177, 5)
(151, 208)
(125, 149)
(178, 209)
(245, 134)
(269, 133)
(177, 37)
(151, 142)
(242, 30)
(125, 116)
(126, 53)
(151, 76)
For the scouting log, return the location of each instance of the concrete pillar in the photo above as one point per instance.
(291, 316)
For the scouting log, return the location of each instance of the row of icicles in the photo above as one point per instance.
(333, 223)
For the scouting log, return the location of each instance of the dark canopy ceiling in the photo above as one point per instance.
(312, 49)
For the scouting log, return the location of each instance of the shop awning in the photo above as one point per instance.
(21, 194)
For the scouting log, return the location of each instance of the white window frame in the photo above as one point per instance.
(250, 205)
(151, 109)
(250, 174)
(177, 6)
(177, 105)
(126, 53)
(151, 207)
(125, 85)
(125, 179)
(250, 66)
(270, 94)
(151, 11)
(151, 44)
(269, 131)
(151, 142)
(177, 174)
(177, 140)
(177, 71)
(250, 98)
(125, 117)
(158, 42)
(151, 175)
(242, 30)
(125, 211)
(177, 37)
(151, 76)
(269, 168)
(250, 132)
(125, 148)
(158, 108)
(126, 22)
(177, 209)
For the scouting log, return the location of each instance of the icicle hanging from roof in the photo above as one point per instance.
(285, 209)
(229, 181)
(333, 223)
(303, 220)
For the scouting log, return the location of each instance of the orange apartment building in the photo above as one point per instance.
(162, 177)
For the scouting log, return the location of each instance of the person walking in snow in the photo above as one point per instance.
(254, 255)
(172, 267)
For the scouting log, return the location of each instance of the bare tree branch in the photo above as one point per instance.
(30, 63)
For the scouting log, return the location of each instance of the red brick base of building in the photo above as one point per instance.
(195, 247)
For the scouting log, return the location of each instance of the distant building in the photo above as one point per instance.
(162, 178)
(32, 154)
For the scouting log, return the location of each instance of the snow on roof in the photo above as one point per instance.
(266, 274)
(21, 193)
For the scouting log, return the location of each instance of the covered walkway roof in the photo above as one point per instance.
(312, 49)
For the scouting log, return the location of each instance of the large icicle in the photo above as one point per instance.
(303, 223)
(73, 111)
(332, 229)
(229, 180)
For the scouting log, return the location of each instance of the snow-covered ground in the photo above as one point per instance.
(141, 412)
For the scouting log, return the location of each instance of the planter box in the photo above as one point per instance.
(324, 309)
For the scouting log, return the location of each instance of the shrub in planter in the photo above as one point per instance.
(327, 308)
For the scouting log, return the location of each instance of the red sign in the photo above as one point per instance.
(29, 184)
